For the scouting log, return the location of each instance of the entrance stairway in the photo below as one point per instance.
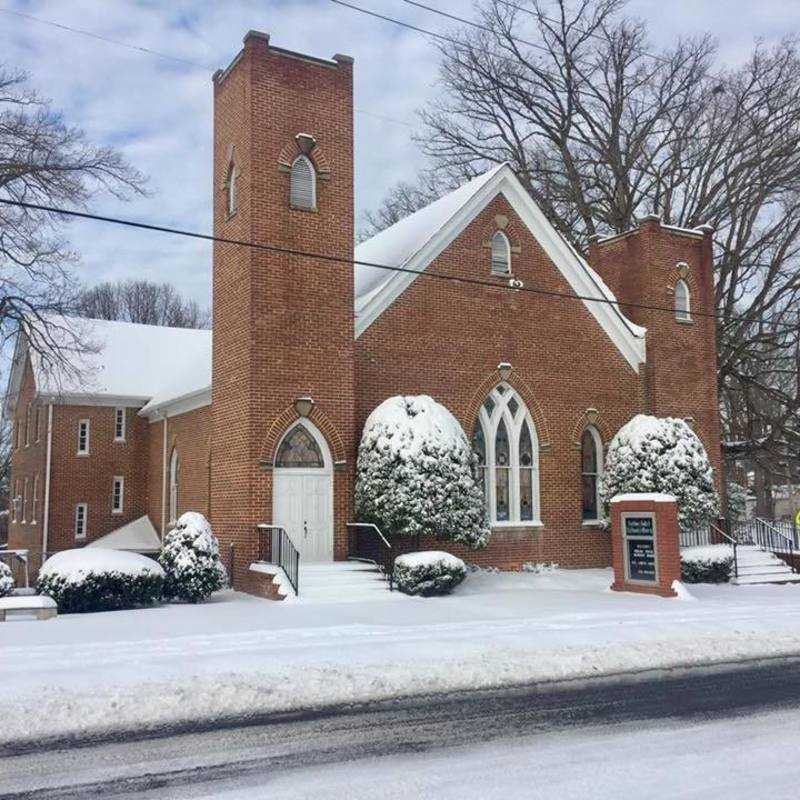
(343, 582)
(761, 566)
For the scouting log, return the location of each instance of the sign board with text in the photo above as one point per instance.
(641, 558)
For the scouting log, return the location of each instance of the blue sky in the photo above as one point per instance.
(158, 111)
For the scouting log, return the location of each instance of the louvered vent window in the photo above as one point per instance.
(501, 254)
(303, 192)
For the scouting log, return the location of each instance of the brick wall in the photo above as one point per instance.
(190, 434)
(643, 267)
(283, 326)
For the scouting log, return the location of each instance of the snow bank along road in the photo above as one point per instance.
(240, 659)
(705, 733)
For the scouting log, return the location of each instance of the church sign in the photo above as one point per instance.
(641, 559)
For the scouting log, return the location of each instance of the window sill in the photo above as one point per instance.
(684, 321)
(82, 455)
(302, 208)
(535, 523)
(119, 441)
(593, 523)
(116, 513)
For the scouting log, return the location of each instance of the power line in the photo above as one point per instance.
(159, 54)
(326, 257)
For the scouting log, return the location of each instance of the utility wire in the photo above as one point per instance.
(271, 248)
(159, 54)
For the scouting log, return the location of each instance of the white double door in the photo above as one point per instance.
(303, 505)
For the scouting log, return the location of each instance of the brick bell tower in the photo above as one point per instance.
(659, 265)
(283, 324)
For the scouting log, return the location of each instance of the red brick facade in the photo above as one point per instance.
(284, 329)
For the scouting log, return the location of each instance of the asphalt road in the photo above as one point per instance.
(191, 764)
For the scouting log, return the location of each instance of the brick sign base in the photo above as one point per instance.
(645, 544)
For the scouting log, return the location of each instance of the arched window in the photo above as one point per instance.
(507, 449)
(501, 254)
(591, 470)
(231, 189)
(683, 309)
(303, 191)
(299, 450)
(174, 479)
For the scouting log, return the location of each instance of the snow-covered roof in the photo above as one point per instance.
(125, 362)
(415, 242)
(138, 536)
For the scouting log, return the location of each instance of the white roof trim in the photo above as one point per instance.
(177, 405)
(628, 338)
(138, 536)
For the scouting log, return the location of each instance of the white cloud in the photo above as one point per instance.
(159, 112)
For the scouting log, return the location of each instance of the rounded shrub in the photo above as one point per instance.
(650, 454)
(428, 573)
(708, 564)
(6, 580)
(415, 474)
(190, 558)
(96, 579)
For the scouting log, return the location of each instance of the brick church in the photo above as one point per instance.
(260, 423)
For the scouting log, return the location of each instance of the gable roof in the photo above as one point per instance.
(125, 362)
(416, 241)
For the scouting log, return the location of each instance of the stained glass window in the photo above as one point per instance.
(589, 474)
(479, 448)
(525, 474)
(299, 449)
(502, 456)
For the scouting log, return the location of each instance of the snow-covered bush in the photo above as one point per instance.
(737, 501)
(415, 473)
(95, 579)
(708, 564)
(6, 580)
(190, 558)
(428, 573)
(662, 455)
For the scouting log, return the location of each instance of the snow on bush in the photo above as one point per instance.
(415, 473)
(707, 564)
(190, 558)
(90, 579)
(6, 580)
(737, 501)
(428, 573)
(662, 455)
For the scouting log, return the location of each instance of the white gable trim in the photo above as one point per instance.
(630, 344)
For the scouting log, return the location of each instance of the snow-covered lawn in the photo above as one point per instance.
(238, 655)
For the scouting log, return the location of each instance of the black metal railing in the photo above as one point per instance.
(282, 552)
(371, 545)
(766, 535)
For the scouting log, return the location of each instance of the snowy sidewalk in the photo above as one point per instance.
(239, 656)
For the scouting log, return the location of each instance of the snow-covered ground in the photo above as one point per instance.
(237, 656)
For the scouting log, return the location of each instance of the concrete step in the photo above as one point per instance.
(342, 582)
(747, 580)
(763, 569)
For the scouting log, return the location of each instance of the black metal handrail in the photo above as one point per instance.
(732, 541)
(376, 549)
(282, 553)
(763, 534)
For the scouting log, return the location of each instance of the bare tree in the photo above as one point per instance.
(141, 301)
(602, 132)
(45, 161)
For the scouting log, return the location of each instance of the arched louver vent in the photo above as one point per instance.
(501, 254)
(683, 309)
(303, 192)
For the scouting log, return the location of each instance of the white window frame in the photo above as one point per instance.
(35, 499)
(683, 313)
(15, 500)
(501, 395)
(231, 191)
(28, 424)
(117, 508)
(598, 449)
(500, 236)
(293, 199)
(174, 482)
(83, 451)
(120, 412)
(38, 422)
(80, 531)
